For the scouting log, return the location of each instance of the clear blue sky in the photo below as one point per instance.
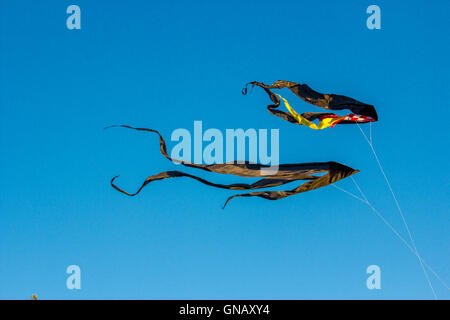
(163, 66)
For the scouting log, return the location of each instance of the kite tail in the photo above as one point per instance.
(123, 191)
(245, 89)
(287, 173)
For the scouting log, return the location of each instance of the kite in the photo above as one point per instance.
(362, 113)
(286, 173)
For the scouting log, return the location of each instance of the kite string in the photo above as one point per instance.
(398, 207)
(349, 193)
(386, 222)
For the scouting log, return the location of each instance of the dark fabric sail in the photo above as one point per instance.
(362, 112)
(286, 173)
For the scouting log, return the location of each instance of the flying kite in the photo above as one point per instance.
(286, 173)
(361, 112)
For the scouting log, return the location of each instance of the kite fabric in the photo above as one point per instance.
(286, 173)
(362, 113)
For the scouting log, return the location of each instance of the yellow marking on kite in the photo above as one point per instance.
(325, 123)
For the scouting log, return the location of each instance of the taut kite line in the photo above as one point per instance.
(362, 113)
(286, 173)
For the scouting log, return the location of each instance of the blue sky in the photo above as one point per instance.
(164, 65)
